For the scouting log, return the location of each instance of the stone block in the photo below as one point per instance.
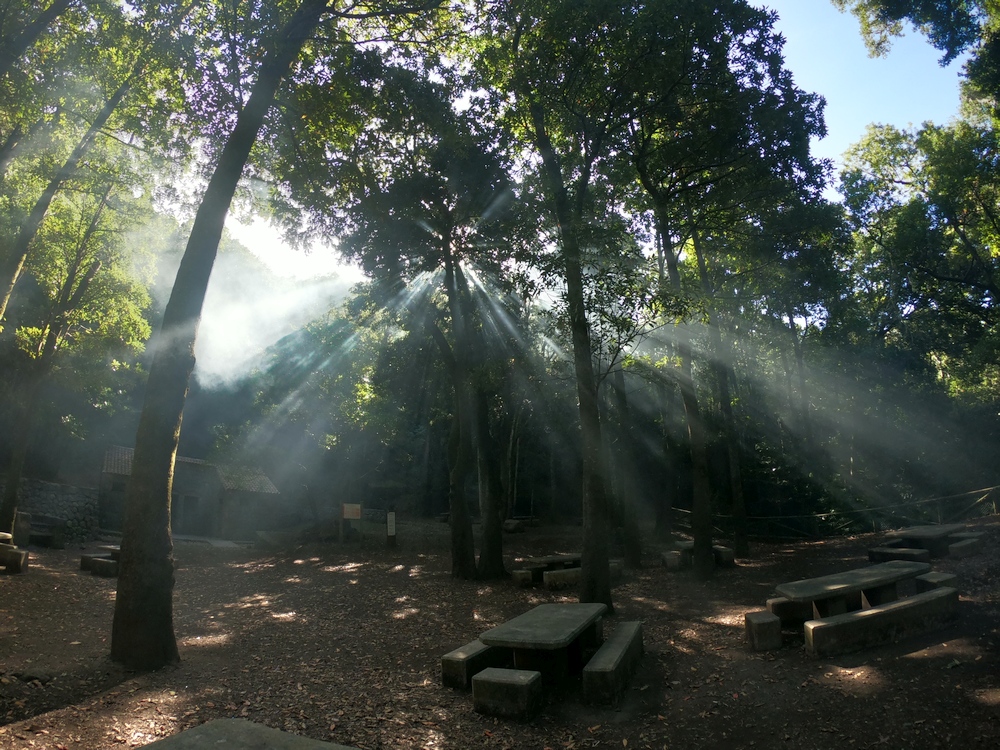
(507, 693)
(608, 671)
(14, 560)
(792, 614)
(458, 667)
(885, 554)
(965, 548)
(87, 561)
(935, 580)
(724, 556)
(6, 538)
(885, 623)
(673, 559)
(560, 579)
(763, 630)
(523, 578)
(22, 529)
(104, 567)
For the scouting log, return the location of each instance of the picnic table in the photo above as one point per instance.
(550, 638)
(849, 590)
(935, 538)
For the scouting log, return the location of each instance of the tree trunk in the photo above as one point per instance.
(721, 367)
(12, 49)
(625, 462)
(701, 496)
(490, 493)
(142, 632)
(595, 583)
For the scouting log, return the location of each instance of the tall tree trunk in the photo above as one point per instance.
(11, 270)
(665, 502)
(626, 467)
(701, 495)
(12, 49)
(721, 368)
(595, 583)
(143, 632)
(490, 493)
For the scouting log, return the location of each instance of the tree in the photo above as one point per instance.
(142, 635)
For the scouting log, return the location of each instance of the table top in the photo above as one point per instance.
(547, 626)
(849, 581)
(931, 531)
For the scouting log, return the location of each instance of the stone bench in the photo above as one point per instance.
(458, 667)
(13, 559)
(885, 623)
(559, 579)
(104, 567)
(965, 547)
(87, 561)
(935, 580)
(608, 671)
(682, 555)
(885, 554)
(507, 693)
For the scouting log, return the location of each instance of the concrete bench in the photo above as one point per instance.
(458, 667)
(763, 630)
(559, 579)
(885, 623)
(885, 554)
(935, 580)
(508, 693)
(608, 671)
(104, 567)
(87, 561)
(13, 559)
(965, 547)
(682, 555)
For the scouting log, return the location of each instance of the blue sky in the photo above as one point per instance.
(824, 51)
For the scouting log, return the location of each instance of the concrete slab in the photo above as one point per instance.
(239, 734)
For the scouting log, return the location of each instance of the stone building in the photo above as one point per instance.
(225, 502)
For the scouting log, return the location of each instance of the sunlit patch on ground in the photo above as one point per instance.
(416, 571)
(286, 616)
(858, 681)
(397, 569)
(303, 561)
(353, 567)
(401, 599)
(220, 639)
(402, 614)
(656, 604)
(987, 697)
(253, 566)
(254, 600)
(294, 579)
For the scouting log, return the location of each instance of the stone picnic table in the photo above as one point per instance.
(935, 538)
(550, 638)
(856, 589)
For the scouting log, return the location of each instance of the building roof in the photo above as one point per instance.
(118, 460)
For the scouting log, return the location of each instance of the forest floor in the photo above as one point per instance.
(343, 643)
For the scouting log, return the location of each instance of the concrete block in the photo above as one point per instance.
(522, 578)
(507, 693)
(885, 623)
(607, 673)
(792, 614)
(763, 630)
(935, 580)
(724, 556)
(14, 560)
(673, 559)
(965, 548)
(560, 579)
(885, 554)
(104, 567)
(86, 561)
(459, 666)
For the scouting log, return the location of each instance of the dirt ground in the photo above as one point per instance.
(343, 643)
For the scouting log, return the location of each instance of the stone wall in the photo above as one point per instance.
(77, 505)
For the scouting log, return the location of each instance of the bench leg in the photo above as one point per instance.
(836, 605)
(879, 595)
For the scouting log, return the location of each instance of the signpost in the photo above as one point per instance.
(349, 512)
